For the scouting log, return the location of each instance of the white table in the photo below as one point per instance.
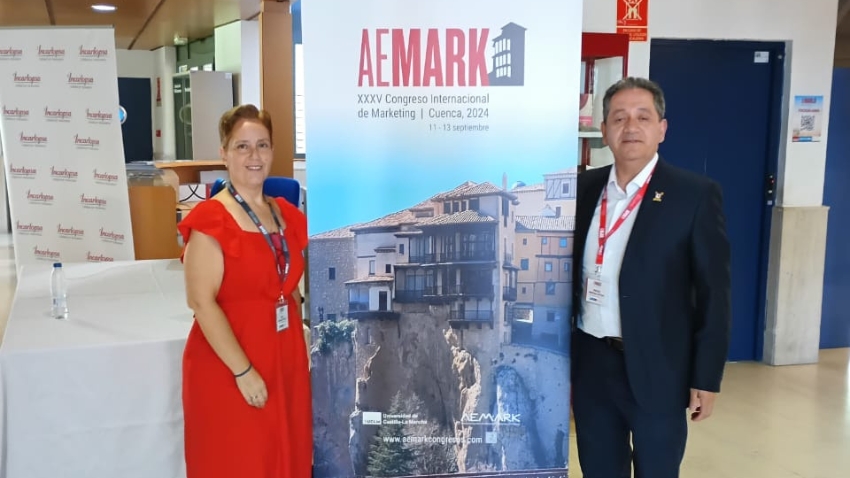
(98, 395)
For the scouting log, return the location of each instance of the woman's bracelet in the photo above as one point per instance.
(243, 373)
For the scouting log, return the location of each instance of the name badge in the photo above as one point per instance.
(595, 291)
(282, 315)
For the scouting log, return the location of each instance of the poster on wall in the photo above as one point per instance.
(62, 147)
(442, 152)
(807, 118)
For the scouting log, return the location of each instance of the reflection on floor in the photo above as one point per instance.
(770, 422)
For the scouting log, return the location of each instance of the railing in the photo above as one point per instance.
(358, 306)
(509, 258)
(407, 296)
(459, 290)
(471, 315)
(509, 294)
(454, 256)
(419, 258)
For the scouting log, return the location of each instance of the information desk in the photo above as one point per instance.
(98, 395)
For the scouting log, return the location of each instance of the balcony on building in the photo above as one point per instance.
(465, 318)
(370, 298)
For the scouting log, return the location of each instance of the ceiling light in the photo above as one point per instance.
(103, 7)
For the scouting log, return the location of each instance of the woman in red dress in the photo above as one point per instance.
(246, 382)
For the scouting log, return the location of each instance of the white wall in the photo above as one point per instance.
(228, 53)
(135, 63)
(165, 147)
(809, 27)
(237, 50)
(139, 64)
(795, 271)
(250, 80)
(157, 64)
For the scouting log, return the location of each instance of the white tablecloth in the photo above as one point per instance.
(97, 395)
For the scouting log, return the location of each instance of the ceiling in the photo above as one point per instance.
(139, 24)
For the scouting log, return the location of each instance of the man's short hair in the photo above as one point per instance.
(631, 83)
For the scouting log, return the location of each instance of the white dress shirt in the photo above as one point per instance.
(603, 320)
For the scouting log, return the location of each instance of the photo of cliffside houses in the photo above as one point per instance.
(441, 334)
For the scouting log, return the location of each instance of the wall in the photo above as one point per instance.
(794, 283)
(237, 50)
(157, 64)
(228, 54)
(835, 321)
(165, 146)
(140, 64)
(808, 25)
(250, 79)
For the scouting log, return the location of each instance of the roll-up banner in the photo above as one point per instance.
(441, 145)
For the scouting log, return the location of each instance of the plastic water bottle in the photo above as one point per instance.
(58, 292)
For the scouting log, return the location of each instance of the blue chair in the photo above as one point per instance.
(275, 186)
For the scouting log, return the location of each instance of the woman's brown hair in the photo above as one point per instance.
(232, 117)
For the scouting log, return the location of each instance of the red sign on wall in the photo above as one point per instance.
(633, 18)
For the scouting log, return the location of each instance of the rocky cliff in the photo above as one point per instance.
(458, 399)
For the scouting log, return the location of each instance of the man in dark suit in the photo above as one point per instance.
(652, 296)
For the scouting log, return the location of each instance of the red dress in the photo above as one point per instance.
(224, 435)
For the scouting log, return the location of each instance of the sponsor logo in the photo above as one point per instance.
(96, 54)
(22, 171)
(372, 418)
(33, 140)
(105, 178)
(39, 198)
(63, 174)
(10, 53)
(51, 53)
(57, 114)
(45, 254)
(92, 201)
(491, 418)
(26, 80)
(86, 143)
(111, 236)
(28, 229)
(16, 114)
(97, 116)
(70, 232)
(80, 81)
(98, 257)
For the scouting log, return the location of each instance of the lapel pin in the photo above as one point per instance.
(658, 196)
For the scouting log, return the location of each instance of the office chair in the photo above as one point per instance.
(275, 186)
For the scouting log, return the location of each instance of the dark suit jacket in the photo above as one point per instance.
(674, 285)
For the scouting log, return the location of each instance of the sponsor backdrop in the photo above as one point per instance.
(62, 145)
(442, 144)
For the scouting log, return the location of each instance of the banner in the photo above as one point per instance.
(62, 145)
(441, 144)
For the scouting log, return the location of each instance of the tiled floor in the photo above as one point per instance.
(770, 422)
(774, 422)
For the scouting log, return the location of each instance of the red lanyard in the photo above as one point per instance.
(603, 219)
